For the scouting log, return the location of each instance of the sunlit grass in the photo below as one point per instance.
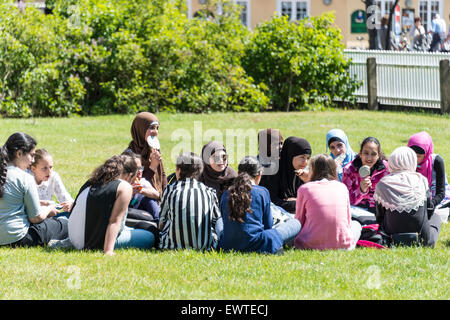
(80, 144)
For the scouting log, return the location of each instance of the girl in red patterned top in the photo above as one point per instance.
(361, 189)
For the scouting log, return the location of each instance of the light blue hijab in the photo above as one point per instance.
(349, 153)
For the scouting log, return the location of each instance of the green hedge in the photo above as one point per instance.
(302, 64)
(118, 56)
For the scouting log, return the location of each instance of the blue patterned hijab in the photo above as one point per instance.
(349, 153)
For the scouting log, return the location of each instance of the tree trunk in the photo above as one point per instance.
(288, 104)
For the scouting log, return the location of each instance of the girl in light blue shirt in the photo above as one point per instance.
(22, 221)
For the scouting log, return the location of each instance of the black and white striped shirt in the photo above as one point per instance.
(189, 211)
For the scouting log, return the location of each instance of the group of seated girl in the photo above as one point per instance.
(281, 197)
(23, 221)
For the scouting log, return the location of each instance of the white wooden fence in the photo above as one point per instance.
(403, 78)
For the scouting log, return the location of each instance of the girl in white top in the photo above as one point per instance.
(49, 182)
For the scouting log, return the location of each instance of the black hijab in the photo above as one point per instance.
(288, 180)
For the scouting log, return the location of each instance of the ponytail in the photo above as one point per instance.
(240, 198)
(3, 168)
(18, 141)
(239, 192)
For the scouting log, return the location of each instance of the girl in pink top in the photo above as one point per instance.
(323, 209)
(361, 189)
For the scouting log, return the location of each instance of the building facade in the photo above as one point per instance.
(39, 4)
(350, 16)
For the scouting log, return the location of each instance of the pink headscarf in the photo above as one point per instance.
(423, 140)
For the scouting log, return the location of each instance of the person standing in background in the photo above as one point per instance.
(438, 28)
(417, 35)
(445, 47)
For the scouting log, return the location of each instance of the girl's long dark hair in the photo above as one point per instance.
(374, 140)
(112, 169)
(239, 192)
(18, 141)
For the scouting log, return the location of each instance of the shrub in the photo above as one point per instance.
(302, 64)
(33, 80)
(120, 56)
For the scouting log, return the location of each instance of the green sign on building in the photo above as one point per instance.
(358, 22)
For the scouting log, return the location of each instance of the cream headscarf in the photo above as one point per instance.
(403, 189)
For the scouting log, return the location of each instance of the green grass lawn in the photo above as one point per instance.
(80, 144)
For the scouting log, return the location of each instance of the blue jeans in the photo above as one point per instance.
(219, 227)
(135, 238)
(289, 230)
(63, 214)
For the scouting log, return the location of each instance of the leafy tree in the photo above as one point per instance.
(120, 56)
(102, 56)
(302, 64)
(33, 78)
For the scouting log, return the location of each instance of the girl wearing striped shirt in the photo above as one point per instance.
(189, 209)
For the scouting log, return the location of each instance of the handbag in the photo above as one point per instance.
(140, 219)
(407, 239)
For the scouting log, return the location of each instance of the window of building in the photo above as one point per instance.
(426, 10)
(385, 6)
(294, 9)
(245, 12)
(22, 4)
(385, 9)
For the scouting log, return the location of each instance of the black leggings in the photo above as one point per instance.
(140, 219)
(435, 228)
(41, 233)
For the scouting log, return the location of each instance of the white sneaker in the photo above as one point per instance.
(65, 243)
